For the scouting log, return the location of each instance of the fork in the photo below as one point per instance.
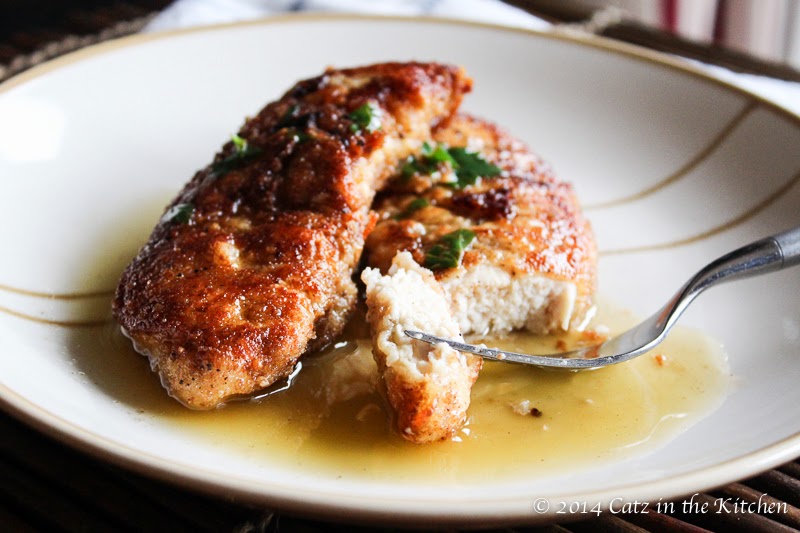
(761, 257)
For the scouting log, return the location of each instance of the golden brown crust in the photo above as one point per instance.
(525, 220)
(260, 272)
(427, 411)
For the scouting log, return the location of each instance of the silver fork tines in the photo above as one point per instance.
(563, 360)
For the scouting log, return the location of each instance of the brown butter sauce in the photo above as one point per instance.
(333, 418)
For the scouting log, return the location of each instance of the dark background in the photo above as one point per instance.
(29, 25)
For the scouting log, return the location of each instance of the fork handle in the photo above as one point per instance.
(769, 254)
(789, 243)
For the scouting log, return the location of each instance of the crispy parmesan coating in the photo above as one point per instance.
(532, 263)
(251, 265)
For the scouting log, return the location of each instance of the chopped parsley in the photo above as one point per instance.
(294, 125)
(412, 166)
(180, 213)
(438, 153)
(468, 166)
(297, 135)
(367, 117)
(243, 153)
(449, 250)
(412, 207)
(239, 143)
(288, 118)
(428, 163)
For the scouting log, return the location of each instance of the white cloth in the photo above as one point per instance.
(187, 13)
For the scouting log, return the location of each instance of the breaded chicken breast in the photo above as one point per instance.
(428, 387)
(506, 239)
(251, 265)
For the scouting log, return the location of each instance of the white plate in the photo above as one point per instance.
(93, 144)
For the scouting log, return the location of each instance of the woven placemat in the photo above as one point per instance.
(70, 43)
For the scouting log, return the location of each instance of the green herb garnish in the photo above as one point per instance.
(239, 143)
(438, 153)
(289, 117)
(449, 250)
(367, 117)
(428, 162)
(297, 135)
(410, 167)
(242, 154)
(180, 213)
(413, 206)
(468, 166)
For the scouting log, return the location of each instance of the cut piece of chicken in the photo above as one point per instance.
(428, 387)
(532, 262)
(251, 265)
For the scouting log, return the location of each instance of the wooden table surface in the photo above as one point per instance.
(47, 486)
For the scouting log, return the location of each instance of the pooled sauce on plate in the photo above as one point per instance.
(523, 421)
